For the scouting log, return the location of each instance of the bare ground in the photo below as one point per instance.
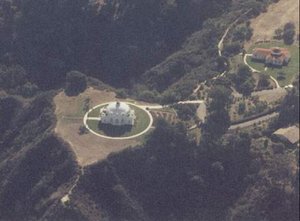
(87, 147)
(277, 15)
(271, 96)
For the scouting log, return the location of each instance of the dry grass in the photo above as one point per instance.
(88, 147)
(277, 15)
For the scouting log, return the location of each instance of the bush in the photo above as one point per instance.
(121, 93)
(241, 108)
(82, 130)
(278, 34)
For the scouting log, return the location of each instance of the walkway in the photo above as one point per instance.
(255, 70)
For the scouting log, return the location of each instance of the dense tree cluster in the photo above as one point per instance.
(39, 163)
(244, 82)
(200, 181)
(218, 120)
(157, 51)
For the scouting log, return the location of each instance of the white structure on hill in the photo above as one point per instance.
(117, 113)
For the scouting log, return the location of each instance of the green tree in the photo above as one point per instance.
(288, 33)
(241, 108)
(263, 81)
(244, 81)
(76, 83)
(220, 98)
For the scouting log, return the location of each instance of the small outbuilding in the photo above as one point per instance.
(289, 135)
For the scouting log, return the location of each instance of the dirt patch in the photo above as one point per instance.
(168, 116)
(271, 96)
(87, 147)
(277, 15)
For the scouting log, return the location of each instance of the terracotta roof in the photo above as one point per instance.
(262, 51)
(270, 53)
(289, 133)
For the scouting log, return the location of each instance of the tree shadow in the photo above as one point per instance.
(114, 131)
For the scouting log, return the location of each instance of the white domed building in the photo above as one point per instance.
(118, 114)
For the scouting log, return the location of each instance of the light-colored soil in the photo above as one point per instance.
(87, 147)
(277, 15)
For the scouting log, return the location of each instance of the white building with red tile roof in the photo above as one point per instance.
(273, 56)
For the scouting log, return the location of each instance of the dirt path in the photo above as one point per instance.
(66, 198)
(254, 70)
(220, 44)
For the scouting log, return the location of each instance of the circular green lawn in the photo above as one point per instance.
(141, 124)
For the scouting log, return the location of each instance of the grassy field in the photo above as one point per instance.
(276, 16)
(291, 70)
(96, 112)
(141, 123)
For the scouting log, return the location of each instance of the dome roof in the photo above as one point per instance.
(118, 107)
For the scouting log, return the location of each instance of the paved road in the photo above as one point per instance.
(254, 121)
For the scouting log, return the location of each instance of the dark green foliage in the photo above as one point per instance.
(185, 111)
(218, 120)
(263, 81)
(41, 163)
(6, 26)
(28, 89)
(35, 176)
(242, 33)
(14, 80)
(289, 109)
(115, 44)
(241, 108)
(75, 83)
(232, 49)
(8, 108)
(64, 213)
(121, 93)
(221, 98)
(82, 130)
(168, 179)
(12, 76)
(243, 80)
(216, 124)
(288, 33)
